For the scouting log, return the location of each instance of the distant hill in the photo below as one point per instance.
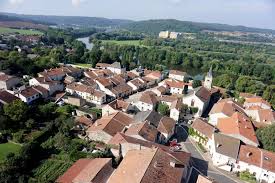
(151, 27)
(15, 22)
(155, 26)
(72, 20)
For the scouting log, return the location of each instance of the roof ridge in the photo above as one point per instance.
(157, 148)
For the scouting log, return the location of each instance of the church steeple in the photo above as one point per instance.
(208, 79)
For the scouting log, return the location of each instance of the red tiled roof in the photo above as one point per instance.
(148, 98)
(88, 170)
(144, 129)
(111, 124)
(29, 92)
(7, 97)
(257, 157)
(176, 72)
(238, 124)
(203, 127)
(166, 125)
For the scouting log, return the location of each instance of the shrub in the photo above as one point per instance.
(246, 176)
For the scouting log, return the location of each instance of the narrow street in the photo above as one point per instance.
(198, 159)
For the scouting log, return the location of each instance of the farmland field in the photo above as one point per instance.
(51, 169)
(4, 30)
(7, 148)
(126, 42)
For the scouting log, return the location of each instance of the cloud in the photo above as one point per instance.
(76, 3)
(16, 2)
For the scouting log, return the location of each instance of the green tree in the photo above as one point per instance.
(16, 111)
(266, 136)
(196, 83)
(163, 109)
(269, 95)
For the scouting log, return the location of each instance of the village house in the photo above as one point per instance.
(105, 85)
(199, 98)
(115, 67)
(93, 74)
(137, 84)
(83, 122)
(96, 170)
(260, 115)
(175, 87)
(203, 132)
(147, 102)
(6, 97)
(120, 144)
(76, 101)
(155, 75)
(51, 85)
(258, 162)
(144, 131)
(86, 92)
(131, 75)
(58, 74)
(116, 106)
(178, 75)
(223, 109)
(166, 127)
(105, 128)
(176, 110)
(224, 151)
(121, 91)
(88, 82)
(239, 126)
(167, 99)
(161, 90)
(7, 82)
(163, 124)
(151, 163)
(27, 95)
(152, 117)
(256, 101)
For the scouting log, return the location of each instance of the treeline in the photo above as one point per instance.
(116, 35)
(153, 27)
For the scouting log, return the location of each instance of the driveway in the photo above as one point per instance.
(199, 161)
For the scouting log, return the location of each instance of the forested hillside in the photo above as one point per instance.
(155, 26)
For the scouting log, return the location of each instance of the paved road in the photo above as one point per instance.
(198, 160)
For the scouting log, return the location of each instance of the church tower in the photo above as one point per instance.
(208, 79)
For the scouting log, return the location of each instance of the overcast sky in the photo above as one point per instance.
(255, 13)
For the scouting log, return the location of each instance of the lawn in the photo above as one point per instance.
(126, 42)
(83, 65)
(5, 30)
(7, 148)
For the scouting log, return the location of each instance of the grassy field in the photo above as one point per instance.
(83, 65)
(127, 42)
(4, 30)
(7, 148)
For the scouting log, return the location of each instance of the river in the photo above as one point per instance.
(85, 40)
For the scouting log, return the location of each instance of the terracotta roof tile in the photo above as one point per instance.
(144, 129)
(203, 127)
(88, 170)
(142, 166)
(7, 97)
(148, 98)
(111, 124)
(166, 125)
(238, 124)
